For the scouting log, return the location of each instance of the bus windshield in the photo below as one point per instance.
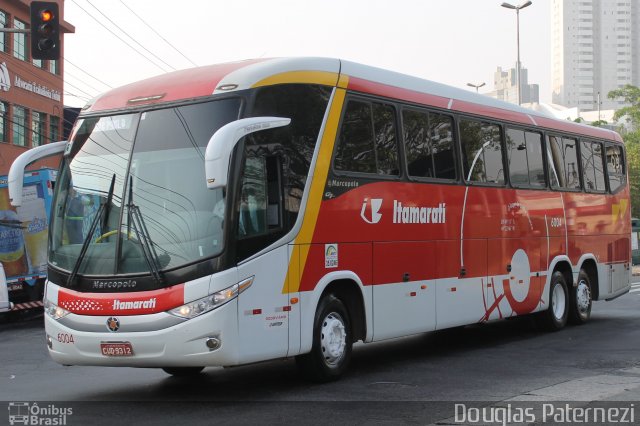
(128, 199)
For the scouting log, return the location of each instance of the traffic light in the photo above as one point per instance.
(45, 30)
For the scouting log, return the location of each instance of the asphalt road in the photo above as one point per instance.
(411, 380)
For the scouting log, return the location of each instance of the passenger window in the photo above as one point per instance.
(517, 149)
(482, 150)
(564, 161)
(367, 142)
(592, 166)
(525, 158)
(534, 158)
(598, 165)
(429, 144)
(615, 167)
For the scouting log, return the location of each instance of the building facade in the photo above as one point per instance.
(506, 89)
(595, 49)
(31, 90)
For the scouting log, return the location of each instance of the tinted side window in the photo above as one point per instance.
(571, 168)
(534, 159)
(592, 166)
(441, 129)
(367, 142)
(482, 150)
(355, 146)
(517, 149)
(563, 152)
(384, 127)
(598, 165)
(525, 158)
(290, 147)
(556, 162)
(615, 167)
(429, 144)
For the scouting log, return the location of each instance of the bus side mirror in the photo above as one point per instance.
(221, 144)
(16, 172)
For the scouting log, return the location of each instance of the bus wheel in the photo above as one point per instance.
(580, 300)
(183, 371)
(332, 342)
(555, 317)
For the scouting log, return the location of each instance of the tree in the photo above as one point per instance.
(632, 141)
(631, 95)
(599, 123)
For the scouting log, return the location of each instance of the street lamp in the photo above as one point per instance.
(477, 86)
(517, 9)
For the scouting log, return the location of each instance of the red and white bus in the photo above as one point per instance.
(271, 208)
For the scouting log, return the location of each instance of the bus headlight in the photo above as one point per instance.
(211, 302)
(55, 311)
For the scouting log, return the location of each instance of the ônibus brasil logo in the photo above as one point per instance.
(410, 213)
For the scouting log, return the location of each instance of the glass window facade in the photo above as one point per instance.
(37, 128)
(20, 41)
(4, 37)
(19, 126)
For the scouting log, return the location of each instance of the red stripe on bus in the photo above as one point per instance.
(135, 303)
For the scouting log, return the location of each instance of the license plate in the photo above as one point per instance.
(116, 349)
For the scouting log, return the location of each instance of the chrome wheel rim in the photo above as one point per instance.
(559, 302)
(583, 297)
(333, 339)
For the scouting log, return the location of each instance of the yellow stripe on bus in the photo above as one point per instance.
(305, 236)
(312, 77)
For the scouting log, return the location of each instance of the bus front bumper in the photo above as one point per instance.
(207, 340)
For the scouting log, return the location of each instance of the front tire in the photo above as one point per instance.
(183, 371)
(580, 300)
(332, 342)
(555, 317)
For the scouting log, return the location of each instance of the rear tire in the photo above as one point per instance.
(183, 371)
(555, 317)
(580, 300)
(332, 342)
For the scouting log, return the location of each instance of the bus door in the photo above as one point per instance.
(263, 308)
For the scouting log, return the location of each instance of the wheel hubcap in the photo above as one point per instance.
(583, 297)
(559, 301)
(333, 338)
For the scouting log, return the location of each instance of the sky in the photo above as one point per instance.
(449, 41)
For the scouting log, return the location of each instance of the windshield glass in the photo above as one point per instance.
(133, 192)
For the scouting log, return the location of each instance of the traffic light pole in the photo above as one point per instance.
(14, 30)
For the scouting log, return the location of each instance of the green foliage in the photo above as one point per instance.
(599, 123)
(578, 120)
(632, 142)
(630, 95)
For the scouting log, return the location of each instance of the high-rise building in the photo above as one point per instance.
(595, 49)
(506, 89)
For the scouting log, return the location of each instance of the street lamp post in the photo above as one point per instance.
(477, 86)
(517, 9)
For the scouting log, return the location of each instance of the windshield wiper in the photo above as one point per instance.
(142, 234)
(92, 229)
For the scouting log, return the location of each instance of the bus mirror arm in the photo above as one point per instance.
(16, 172)
(221, 144)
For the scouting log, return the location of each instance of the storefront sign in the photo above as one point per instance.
(31, 86)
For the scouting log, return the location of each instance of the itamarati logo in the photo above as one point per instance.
(370, 212)
(419, 214)
(28, 413)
